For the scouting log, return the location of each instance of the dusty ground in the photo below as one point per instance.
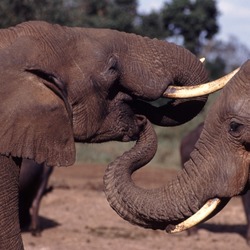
(77, 216)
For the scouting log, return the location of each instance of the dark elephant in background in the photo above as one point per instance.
(186, 147)
(33, 185)
(62, 85)
(217, 170)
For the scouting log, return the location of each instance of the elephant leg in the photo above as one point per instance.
(10, 233)
(246, 204)
(35, 227)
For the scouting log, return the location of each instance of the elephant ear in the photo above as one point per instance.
(34, 120)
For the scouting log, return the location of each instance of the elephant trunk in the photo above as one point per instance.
(157, 208)
(153, 66)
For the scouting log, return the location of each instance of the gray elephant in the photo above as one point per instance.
(218, 168)
(62, 85)
(33, 185)
(186, 147)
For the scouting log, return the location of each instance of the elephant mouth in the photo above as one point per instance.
(207, 211)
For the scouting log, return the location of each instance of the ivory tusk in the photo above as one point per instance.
(196, 218)
(198, 90)
(202, 59)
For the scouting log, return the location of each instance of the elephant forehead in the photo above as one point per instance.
(239, 107)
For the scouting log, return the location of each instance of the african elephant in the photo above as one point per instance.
(186, 147)
(61, 85)
(33, 182)
(218, 168)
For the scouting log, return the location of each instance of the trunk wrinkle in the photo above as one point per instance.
(156, 208)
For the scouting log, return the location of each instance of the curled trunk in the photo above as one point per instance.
(157, 208)
(149, 67)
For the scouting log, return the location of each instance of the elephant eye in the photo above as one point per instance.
(235, 127)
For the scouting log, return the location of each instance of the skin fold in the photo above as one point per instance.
(62, 85)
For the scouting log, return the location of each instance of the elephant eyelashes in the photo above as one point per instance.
(235, 128)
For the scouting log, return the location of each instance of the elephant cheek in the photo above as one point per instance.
(237, 179)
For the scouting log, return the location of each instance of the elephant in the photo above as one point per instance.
(186, 147)
(218, 168)
(33, 185)
(61, 85)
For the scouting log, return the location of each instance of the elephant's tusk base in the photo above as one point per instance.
(196, 218)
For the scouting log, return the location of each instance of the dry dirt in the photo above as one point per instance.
(76, 215)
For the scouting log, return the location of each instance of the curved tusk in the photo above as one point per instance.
(202, 59)
(196, 218)
(198, 90)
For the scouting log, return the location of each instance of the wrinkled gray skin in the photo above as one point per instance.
(59, 85)
(186, 147)
(219, 163)
(33, 183)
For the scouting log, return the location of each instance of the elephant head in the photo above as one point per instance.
(218, 168)
(62, 85)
